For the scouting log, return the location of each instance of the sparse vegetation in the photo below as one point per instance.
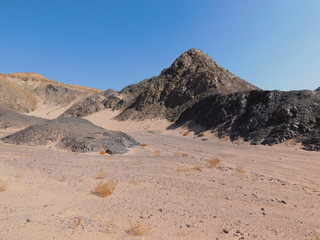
(144, 145)
(102, 152)
(187, 133)
(193, 169)
(212, 163)
(18, 175)
(105, 189)
(101, 174)
(3, 185)
(140, 229)
(240, 170)
(202, 134)
(157, 153)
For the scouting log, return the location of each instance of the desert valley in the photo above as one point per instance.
(194, 153)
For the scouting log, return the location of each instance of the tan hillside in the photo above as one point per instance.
(27, 92)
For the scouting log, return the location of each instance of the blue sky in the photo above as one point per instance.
(273, 44)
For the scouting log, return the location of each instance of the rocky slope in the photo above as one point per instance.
(191, 77)
(318, 89)
(266, 117)
(75, 134)
(92, 104)
(23, 92)
(10, 118)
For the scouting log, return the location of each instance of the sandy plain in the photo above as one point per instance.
(165, 189)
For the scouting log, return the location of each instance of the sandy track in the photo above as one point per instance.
(277, 196)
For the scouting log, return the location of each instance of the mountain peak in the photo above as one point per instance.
(191, 61)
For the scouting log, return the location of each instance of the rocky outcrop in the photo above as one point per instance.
(86, 107)
(93, 104)
(261, 117)
(191, 77)
(318, 89)
(75, 134)
(10, 118)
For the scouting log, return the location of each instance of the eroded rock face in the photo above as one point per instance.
(191, 77)
(261, 117)
(75, 134)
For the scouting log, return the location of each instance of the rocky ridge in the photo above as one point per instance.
(260, 117)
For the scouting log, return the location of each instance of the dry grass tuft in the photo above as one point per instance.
(202, 134)
(187, 133)
(144, 145)
(3, 185)
(105, 189)
(103, 152)
(212, 163)
(194, 169)
(240, 170)
(18, 175)
(101, 174)
(140, 229)
(157, 153)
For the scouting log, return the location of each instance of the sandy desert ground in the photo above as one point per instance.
(166, 189)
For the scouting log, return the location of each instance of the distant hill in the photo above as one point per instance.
(23, 92)
(318, 89)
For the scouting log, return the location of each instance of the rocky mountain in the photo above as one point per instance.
(260, 117)
(23, 92)
(318, 89)
(75, 134)
(190, 78)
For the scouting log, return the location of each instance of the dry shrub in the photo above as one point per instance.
(101, 174)
(3, 185)
(240, 170)
(194, 169)
(157, 153)
(18, 175)
(181, 154)
(102, 152)
(187, 133)
(105, 189)
(201, 134)
(140, 229)
(212, 163)
(144, 145)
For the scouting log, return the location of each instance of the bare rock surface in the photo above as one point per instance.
(261, 117)
(10, 118)
(75, 134)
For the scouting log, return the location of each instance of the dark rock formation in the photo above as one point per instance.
(93, 104)
(86, 107)
(192, 76)
(10, 118)
(266, 117)
(75, 134)
(318, 89)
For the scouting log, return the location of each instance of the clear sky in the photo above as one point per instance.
(273, 44)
